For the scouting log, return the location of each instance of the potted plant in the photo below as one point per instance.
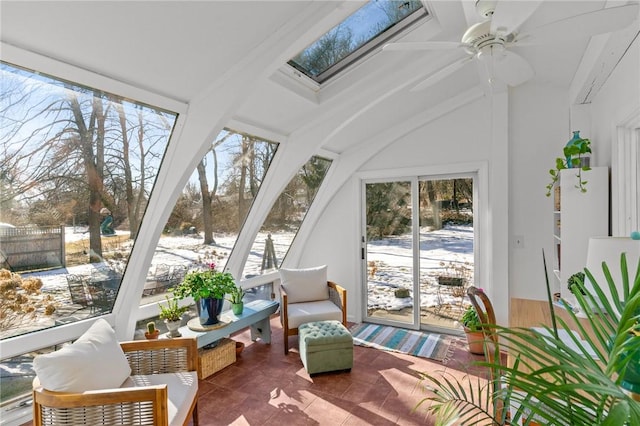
(473, 329)
(576, 279)
(239, 348)
(575, 154)
(207, 288)
(562, 383)
(172, 315)
(235, 298)
(152, 332)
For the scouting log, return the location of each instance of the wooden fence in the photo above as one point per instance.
(31, 248)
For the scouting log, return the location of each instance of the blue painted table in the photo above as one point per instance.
(256, 314)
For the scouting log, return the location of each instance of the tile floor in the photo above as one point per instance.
(265, 387)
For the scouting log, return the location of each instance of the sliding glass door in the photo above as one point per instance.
(389, 251)
(446, 251)
(418, 250)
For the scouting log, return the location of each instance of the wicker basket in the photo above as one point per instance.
(217, 358)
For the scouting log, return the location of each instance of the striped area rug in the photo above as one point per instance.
(417, 343)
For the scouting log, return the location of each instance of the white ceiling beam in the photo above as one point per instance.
(602, 55)
(351, 160)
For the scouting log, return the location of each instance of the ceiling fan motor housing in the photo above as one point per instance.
(479, 36)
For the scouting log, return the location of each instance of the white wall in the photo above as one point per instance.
(538, 131)
(539, 117)
(539, 128)
(459, 137)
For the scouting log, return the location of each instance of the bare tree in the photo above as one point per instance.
(206, 202)
(328, 50)
(70, 149)
(208, 196)
(93, 162)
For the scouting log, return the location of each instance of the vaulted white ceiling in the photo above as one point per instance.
(182, 49)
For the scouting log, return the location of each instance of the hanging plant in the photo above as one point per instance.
(574, 154)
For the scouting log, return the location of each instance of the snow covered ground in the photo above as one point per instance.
(390, 263)
(440, 252)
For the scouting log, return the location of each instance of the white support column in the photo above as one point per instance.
(496, 277)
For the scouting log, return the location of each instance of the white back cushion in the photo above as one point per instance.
(305, 285)
(94, 361)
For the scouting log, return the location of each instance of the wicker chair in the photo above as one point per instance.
(143, 399)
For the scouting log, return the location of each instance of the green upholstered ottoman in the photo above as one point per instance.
(325, 346)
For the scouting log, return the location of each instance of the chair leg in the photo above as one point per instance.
(286, 342)
(195, 415)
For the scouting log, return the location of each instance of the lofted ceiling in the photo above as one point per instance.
(179, 49)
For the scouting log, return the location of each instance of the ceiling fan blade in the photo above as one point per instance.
(512, 69)
(580, 26)
(510, 15)
(424, 45)
(441, 73)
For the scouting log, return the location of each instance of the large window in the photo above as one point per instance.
(76, 171)
(206, 220)
(367, 28)
(283, 221)
(77, 167)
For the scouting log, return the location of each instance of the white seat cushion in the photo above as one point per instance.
(181, 389)
(300, 313)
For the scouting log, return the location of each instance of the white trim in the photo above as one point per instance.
(61, 70)
(478, 171)
(415, 247)
(625, 177)
(443, 171)
(245, 126)
(14, 346)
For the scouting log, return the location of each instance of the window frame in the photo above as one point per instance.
(363, 51)
(17, 345)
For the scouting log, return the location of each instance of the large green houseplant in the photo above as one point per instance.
(562, 384)
(207, 287)
(206, 283)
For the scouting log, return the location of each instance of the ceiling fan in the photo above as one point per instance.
(504, 26)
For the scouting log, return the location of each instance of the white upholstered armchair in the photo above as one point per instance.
(308, 296)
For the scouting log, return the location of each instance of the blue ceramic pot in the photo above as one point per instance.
(576, 136)
(208, 310)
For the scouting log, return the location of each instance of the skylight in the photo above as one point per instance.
(367, 28)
